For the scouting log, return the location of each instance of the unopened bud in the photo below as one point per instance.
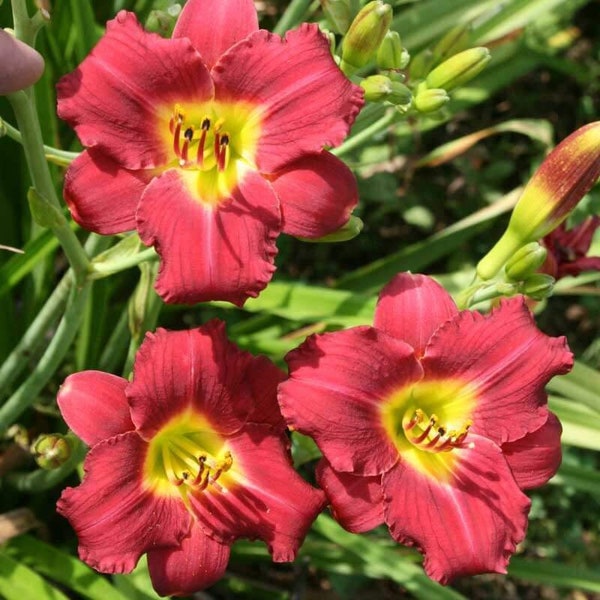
(51, 450)
(459, 69)
(565, 176)
(379, 88)
(340, 13)
(526, 261)
(454, 41)
(430, 100)
(391, 56)
(365, 35)
(538, 286)
(420, 65)
(20, 67)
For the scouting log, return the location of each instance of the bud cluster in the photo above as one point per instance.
(420, 85)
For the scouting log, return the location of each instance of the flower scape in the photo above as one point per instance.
(210, 144)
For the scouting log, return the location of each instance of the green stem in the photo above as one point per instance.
(29, 125)
(293, 15)
(27, 393)
(36, 333)
(58, 157)
(366, 134)
(104, 269)
(21, 355)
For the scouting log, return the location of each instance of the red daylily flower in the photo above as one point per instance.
(188, 457)
(433, 422)
(210, 144)
(567, 249)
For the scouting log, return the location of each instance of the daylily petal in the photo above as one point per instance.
(197, 369)
(337, 384)
(307, 103)
(317, 194)
(198, 563)
(535, 458)
(262, 379)
(264, 503)
(470, 524)
(115, 518)
(220, 252)
(505, 361)
(580, 265)
(356, 502)
(411, 307)
(213, 26)
(120, 95)
(102, 196)
(94, 405)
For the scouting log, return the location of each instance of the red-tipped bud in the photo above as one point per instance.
(565, 176)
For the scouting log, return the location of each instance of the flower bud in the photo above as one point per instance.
(365, 35)
(428, 101)
(379, 88)
(162, 22)
(391, 56)
(563, 178)
(51, 450)
(21, 65)
(459, 69)
(538, 286)
(340, 13)
(454, 41)
(420, 65)
(525, 261)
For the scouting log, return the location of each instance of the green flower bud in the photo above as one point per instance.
(51, 450)
(391, 56)
(538, 286)
(163, 22)
(455, 40)
(428, 101)
(420, 65)
(340, 13)
(525, 261)
(459, 69)
(365, 35)
(379, 88)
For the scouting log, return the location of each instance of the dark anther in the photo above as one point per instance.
(224, 139)
(189, 134)
(441, 431)
(206, 124)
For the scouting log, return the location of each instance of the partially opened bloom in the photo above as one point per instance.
(433, 422)
(210, 144)
(568, 248)
(186, 458)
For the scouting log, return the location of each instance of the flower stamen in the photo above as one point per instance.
(430, 435)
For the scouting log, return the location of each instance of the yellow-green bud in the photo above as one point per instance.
(365, 35)
(525, 261)
(455, 40)
(538, 286)
(379, 88)
(420, 65)
(340, 13)
(391, 56)
(163, 21)
(428, 101)
(51, 450)
(459, 69)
